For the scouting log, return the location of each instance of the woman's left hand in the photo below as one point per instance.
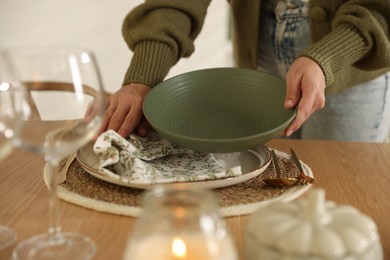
(305, 89)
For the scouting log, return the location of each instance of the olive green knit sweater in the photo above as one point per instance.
(351, 39)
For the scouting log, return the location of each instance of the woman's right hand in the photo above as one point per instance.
(124, 111)
(305, 90)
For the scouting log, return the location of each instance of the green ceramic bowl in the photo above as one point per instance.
(219, 110)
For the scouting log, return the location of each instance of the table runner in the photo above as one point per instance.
(87, 191)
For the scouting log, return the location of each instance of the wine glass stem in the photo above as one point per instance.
(54, 227)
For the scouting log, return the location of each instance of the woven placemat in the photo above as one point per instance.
(83, 189)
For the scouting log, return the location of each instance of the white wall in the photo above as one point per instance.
(96, 24)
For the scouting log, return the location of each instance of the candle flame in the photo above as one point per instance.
(179, 248)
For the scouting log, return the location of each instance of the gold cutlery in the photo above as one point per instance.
(61, 177)
(282, 182)
(302, 177)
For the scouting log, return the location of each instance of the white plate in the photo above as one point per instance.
(252, 162)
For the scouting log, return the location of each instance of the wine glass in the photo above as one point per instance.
(63, 110)
(11, 97)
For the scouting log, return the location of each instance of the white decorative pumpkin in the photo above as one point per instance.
(311, 229)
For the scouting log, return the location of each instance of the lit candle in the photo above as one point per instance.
(178, 223)
(179, 249)
(188, 247)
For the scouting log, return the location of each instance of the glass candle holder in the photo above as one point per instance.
(180, 223)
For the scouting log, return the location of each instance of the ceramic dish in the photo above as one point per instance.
(253, 162)
(219, 110)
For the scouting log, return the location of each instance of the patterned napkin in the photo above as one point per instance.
(153, 160)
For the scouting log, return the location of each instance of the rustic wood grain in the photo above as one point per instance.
(351, 173)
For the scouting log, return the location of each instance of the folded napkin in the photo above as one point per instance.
(153, 159)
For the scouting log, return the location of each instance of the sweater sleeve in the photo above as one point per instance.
(160, 32)
(359, 36)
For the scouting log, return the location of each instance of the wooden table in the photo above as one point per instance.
(352, 173)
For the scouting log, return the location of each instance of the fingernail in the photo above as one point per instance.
(289, 132)
(289, 103)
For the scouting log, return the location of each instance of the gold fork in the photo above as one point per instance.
(282, 182)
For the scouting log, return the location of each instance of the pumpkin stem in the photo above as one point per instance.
(315, 210)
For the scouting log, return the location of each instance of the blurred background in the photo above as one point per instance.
(96, 24)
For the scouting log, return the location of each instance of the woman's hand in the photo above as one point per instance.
(124, 111)
(306, 89)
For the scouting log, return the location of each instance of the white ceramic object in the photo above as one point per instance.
(312, 228)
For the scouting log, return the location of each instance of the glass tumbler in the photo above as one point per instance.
(180, 223)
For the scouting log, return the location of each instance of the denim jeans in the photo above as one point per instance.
(359, 113)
